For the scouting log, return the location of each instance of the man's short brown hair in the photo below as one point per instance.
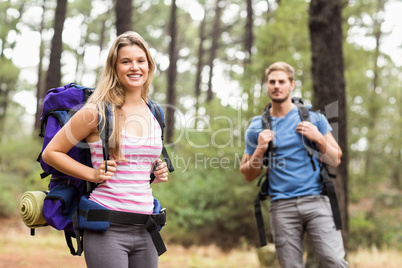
(281, 66)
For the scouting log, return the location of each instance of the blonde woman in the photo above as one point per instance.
(134, 145)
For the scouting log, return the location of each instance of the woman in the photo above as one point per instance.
(135, 145)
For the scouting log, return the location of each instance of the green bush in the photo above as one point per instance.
(380, 226)
(363, 232)
(17, 171)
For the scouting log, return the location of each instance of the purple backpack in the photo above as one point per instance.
(59, 105)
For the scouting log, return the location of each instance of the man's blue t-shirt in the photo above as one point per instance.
(291, 173)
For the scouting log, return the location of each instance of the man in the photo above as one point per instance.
(297, 205)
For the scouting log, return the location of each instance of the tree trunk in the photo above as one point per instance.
(249, 36)
(214, 47)
(53, 78)
(248, 46)
(80, 55)
(396, 172)
(4, 98)
(102, 37)
(325, 24)
(172, 71)
(123, 10)
(40, 90)
(200, 65)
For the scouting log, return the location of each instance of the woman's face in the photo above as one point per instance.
(132, 67)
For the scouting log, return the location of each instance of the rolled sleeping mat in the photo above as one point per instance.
(31, 204)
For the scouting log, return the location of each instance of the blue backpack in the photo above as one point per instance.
(66, 206)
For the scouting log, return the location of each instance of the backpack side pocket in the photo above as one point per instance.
(59, 206)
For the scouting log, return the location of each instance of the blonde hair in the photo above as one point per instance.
(281, 66)
(109, 91)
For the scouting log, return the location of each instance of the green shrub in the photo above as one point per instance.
(17, 169)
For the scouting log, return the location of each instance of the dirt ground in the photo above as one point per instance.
(47, 249)
(19, 249)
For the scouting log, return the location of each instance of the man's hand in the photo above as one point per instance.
(251, 165)
(264, 138)
(309, 130)
(327, 145)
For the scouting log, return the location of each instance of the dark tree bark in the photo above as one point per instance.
(200, 65)
(4, 98)
(102, 36)
(80, 55)
(53, 78)
(172, 72)
(40, 90)
(123, 10)
(325, 24)
(216, 32)
(248, 46)
(249, 36)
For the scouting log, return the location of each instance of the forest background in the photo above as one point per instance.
(211, 56)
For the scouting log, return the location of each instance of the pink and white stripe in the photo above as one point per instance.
(129, 189)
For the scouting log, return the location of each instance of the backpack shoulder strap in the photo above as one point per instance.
(304, 113)
(157, 111)
(266, 117)
(267, 124)
(329, 190)
(105, 130)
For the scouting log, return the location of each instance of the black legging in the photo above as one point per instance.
(121, 246)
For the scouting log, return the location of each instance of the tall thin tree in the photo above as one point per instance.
(248, 46)
(249, 33)
(40, 90)
(172, 73)
(104, 29)
(216, 31)
(200, 64)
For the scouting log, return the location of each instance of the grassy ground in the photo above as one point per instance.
(48, 249)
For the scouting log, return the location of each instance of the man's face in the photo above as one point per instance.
(279, 86)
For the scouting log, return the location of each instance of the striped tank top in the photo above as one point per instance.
(129, 189)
